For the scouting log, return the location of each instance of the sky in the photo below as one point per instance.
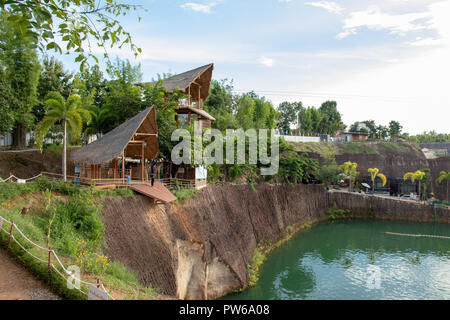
(381, 60)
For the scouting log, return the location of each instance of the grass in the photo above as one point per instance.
(357, 148)
(184, 194)
(328, 150)
(324, 149)
(73, 215)
(393, 146)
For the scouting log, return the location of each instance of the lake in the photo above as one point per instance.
(357, 260)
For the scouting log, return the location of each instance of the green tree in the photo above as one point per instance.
(121, 96)
(21, 69)
(329, 174)
(6, 102)
(245, 112)
(78, 22)
(395, 129)
(288, 115)
(72, 115)
(427, 137)
(382, 132)
(94, 80)
(221, 105)
(331, 119)
(296, 168)
(371, 125)
(316, 120)
(52, 78)
(166, 112)
(265, 115)
(101, 118)
(305, 121)
(444, 176)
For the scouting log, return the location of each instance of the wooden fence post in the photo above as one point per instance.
(11, 234)
(49, 256)
(49, 259)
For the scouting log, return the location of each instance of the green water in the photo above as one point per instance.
(357, 260)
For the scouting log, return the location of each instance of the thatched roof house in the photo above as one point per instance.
(187, 82)
(136, 138)
(195, 84)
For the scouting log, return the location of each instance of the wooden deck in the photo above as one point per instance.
(158, 191)
(170, 183)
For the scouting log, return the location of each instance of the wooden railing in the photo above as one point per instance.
(120, 182)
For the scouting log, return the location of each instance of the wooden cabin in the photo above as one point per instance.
(195, 84)
(124, 157)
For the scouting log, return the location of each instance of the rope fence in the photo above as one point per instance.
(50, 251)
(11, 177)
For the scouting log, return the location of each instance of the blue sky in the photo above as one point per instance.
(381, 60)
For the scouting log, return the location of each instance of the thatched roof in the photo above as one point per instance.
(201, 76)
(112, 144)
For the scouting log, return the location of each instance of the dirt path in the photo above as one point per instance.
(17, 283)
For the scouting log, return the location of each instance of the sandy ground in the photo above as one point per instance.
(17, 283)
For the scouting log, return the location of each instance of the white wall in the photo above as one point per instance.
(299, 138)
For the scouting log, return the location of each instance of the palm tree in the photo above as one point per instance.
(375, 172)
(70, 113)
(100, 118)
(349, 168)
(444, 176)
(418, 175)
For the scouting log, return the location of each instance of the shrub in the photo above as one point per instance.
(184, 194)
(334, 213)
(65, 188)
(253, 268)
(88, 261)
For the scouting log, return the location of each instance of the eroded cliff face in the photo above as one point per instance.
(200, 249)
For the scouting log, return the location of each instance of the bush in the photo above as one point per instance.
(357, 148)
(334, 213)
(59, 186)
(298, 168)
(11, 190)
(78, 218)
(184, 194)
(329, 174)
(253, 268)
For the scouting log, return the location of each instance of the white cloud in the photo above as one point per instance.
(204, 8)
(374, 18)
(329, 6)
(346, 33)
(265, 61)
(419, 42)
